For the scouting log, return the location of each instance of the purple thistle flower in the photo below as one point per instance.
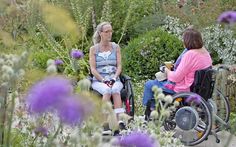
(58, 62)
(41, 131)
(137, 139)
(47, 93)
(228, 17)
(71, 111)
(195, 98)
(76, 54)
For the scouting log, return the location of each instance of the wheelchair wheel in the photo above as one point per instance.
(191, 121)
(221, 109)
(129, 103)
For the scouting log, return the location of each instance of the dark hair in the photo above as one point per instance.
(192, 39)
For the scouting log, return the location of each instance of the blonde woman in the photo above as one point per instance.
(105, 64)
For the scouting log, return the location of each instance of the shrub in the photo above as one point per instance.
(143, 55)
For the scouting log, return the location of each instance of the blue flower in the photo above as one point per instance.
(47, 93)
(58, 62)
(137, 139)
(72, 111)
(76, 54)
(228, 17)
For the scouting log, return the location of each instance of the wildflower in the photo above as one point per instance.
(155, 89)
(194, 98)
(58, 62)
(5, 77)
(51, 69)
(168, 99)
(124, 117)
(137, 139)
(228, 17)
(154, 115)
(8, 70)
(166, 113)
(84, 84)
(1, 61)
(41, 131)
(76, 54)
(24, 55)
(71, 111)
(112, 121)
(176, 103)
(97, 138)
(161, 96)
(21, 72)
(50, 62)
(48, 93)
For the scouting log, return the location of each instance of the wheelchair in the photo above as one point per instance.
(206, 114)
(127, 94)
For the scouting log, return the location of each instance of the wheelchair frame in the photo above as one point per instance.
(192, 121)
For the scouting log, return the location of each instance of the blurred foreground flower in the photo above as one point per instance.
(137, 139)
(194, 98)
(72, 111)
(76, 54)
(47, 93)
(41, 131)
(58, 62)
(228, 17)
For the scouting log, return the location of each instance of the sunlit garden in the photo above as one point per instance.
(46, 97)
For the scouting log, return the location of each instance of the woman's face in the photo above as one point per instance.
(106, 33)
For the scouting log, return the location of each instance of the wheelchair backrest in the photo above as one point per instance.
(204, 81)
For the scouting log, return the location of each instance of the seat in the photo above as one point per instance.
(127, 95)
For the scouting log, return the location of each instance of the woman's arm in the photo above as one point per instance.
(92, 63)
(183, 69)
(118, 62)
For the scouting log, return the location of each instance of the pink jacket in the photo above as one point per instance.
(192, 61)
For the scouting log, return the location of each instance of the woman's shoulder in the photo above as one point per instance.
(114, 45)
(94, 47)
(197, 51)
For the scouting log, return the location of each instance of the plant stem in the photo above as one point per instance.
(3, 106)
(10, 119)
(49, 143)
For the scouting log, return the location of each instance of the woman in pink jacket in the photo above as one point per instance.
(196, 58)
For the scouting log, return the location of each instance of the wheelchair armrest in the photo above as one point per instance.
(124, 77)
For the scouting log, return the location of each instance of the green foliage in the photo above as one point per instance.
(122, 22)
(148, 23)
(40, 58)
(143, 55)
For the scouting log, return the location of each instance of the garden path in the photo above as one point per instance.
(223, 136)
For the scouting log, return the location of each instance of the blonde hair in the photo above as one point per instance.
(96, 35)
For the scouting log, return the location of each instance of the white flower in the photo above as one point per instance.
(5, 77)
(161, 96)
(112, 120)
(51, 69)
(168, 99)
(8, 70)
(154, 115)
(124, 117)
(97, 138)
(176, 103)
(50, 62)
(21, 72)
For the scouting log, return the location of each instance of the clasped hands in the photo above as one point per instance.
(109, 82)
